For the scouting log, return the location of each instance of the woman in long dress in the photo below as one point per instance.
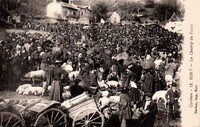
(56, 85)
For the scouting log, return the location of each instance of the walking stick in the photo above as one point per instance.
(168, 113)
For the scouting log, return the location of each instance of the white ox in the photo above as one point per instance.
(35, 74)
(160, 95)
(22, 88)
(34, 91)
(68, 68)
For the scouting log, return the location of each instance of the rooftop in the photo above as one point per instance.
(72, 6)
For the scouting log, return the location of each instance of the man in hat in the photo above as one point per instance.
(172, 97)
(136, 68)
(149, 111)
(148, 79)
(126, 77)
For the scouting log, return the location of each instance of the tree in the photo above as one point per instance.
(150, 3)
(165, 9)
(100, 10)
(37, 7)
(128, 8)
(9, 5)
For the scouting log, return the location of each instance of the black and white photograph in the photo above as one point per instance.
(99, 63)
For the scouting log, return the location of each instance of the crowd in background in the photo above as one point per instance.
(67, 42)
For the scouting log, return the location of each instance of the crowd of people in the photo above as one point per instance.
(140, 53)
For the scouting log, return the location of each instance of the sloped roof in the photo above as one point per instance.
(84, 7)
(110, 13)
(174, 17)
(72, 6)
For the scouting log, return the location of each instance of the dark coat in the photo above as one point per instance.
(16, 63)
(126, 80)
(157, 81)
(172, 96)
(148, 120)
(138, 72)
(148, 82)
(125, 107)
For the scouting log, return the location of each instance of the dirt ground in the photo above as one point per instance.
(14, 96)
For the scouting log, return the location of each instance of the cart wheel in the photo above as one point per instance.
(88, 118)
(8, 119)
(52, 117)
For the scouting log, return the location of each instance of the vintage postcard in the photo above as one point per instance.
(100, 63)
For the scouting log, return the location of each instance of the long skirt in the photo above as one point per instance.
(56, 91)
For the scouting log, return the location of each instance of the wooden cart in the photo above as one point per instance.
(10, 117)
(83, 112)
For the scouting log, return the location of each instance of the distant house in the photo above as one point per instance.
(62, 10)
(113, 17)
(69, 11)
(84, 14)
